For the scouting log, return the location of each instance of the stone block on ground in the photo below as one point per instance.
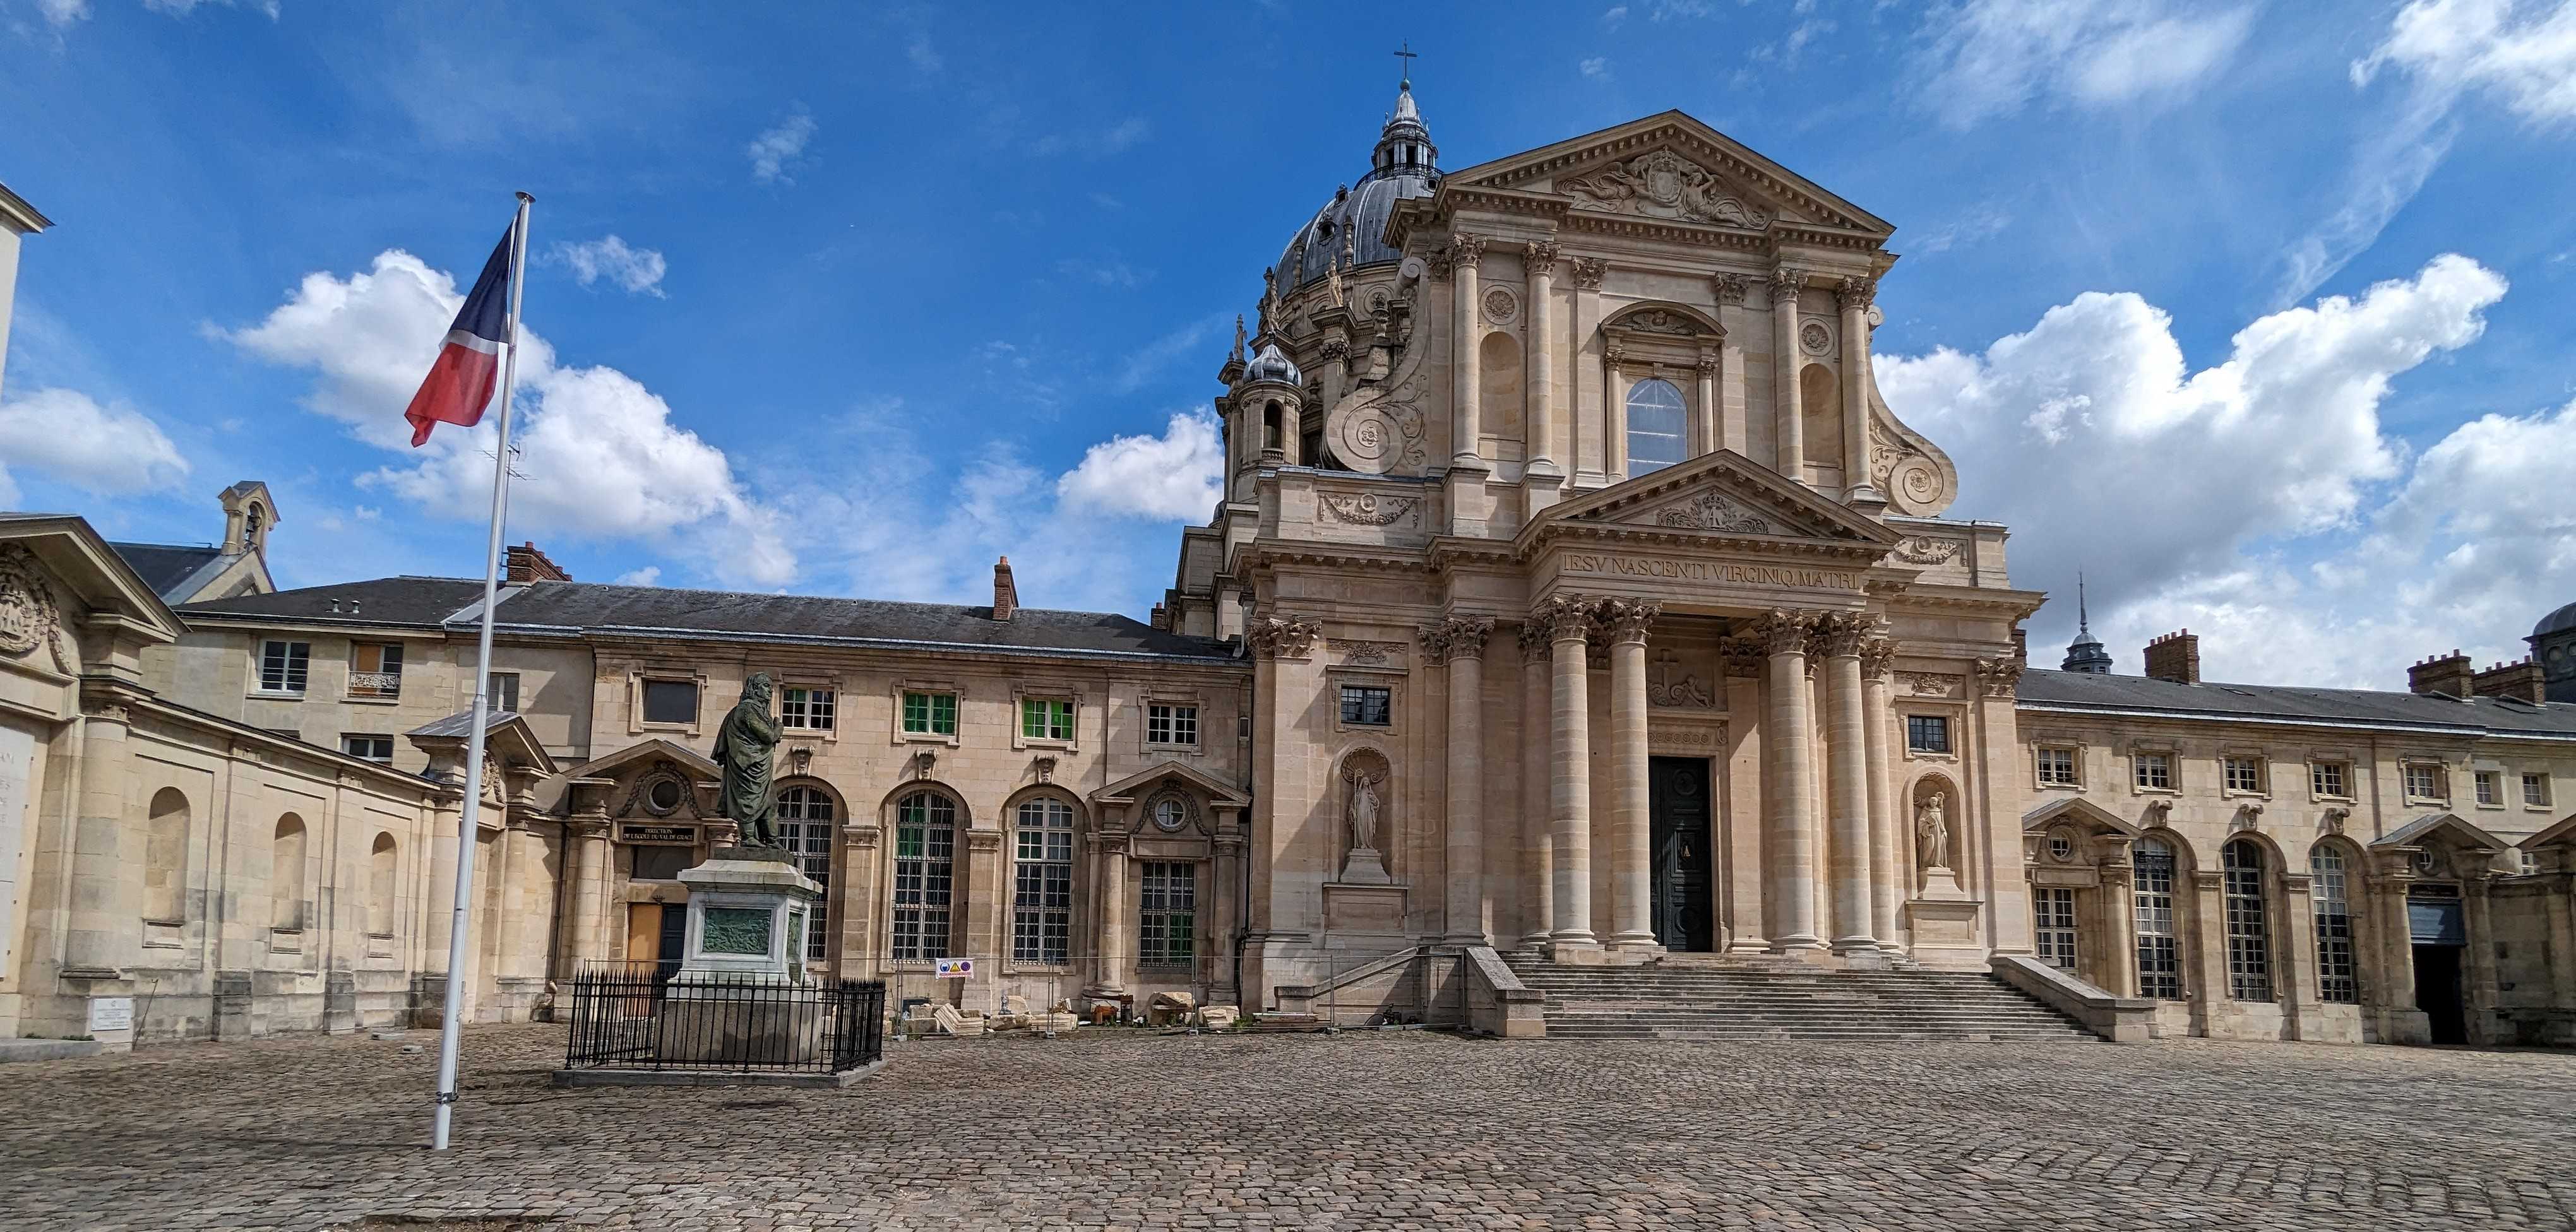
(949, 1020)
(1063, 1020)
(1169, 1009)
(1220, 1016)
(1015, 1006)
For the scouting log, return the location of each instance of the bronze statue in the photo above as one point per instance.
(745, 745)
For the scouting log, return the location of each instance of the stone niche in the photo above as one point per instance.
(1364, 906)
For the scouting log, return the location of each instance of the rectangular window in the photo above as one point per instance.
(930, 714)
(2249, 935)
(2054, 909)
(2159, 953)
(1367, 705)
(2424, 782)
(1927, 733)
(2057, 767)
(1166, 724)
(373, 748)
(2244, 774)
(807, 709)
(2330, 779)
(2337, 978)
(1042, 884)
(375, 669)
(2155, 771)
(282, 666)
(2490, 785)
(1043, 718)
(2535, 790)
(671, 701)
(806, 830)
(925, 854)
(502, 691)
(1168, 916)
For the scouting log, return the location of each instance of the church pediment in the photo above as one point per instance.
(1674, 168)
(1722, 494)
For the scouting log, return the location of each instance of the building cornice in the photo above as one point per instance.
(2398, 726)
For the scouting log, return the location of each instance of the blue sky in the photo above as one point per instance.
(2257, 312)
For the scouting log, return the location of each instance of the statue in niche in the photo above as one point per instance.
(1932, 832)
(1364, 806)
(745, 750)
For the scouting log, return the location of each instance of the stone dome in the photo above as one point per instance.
(2558, 621)
(1355, 219)
(1270, 365)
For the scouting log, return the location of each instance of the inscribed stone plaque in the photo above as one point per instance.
(735, 930)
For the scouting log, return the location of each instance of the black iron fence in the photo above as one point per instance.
(643, 1016)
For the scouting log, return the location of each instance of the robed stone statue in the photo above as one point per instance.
(745, 745)
(1932, 832)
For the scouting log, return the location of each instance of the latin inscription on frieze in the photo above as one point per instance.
(1622, 564)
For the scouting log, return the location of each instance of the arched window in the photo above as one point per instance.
(286, 875)
(2249, 935)
(925, 856)
(2338, 978)
(806, 820)
(380, 887)
(1656, 426)
(1042, 883)
(2159, 954)
(165, 857)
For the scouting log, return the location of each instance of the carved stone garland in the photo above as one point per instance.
(1365, 509)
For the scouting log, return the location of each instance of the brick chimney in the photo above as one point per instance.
(525, 564)
(2524, 680)
(2174, 657)
(1006, 597)
(1162, 617)
(2452, 675)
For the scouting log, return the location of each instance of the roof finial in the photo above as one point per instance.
(2083, 622)
(1405, 52)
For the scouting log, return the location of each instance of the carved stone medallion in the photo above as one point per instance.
(1714, 512)
(1501, 306)
(26, 605)
(1663, 184)
(1816, 338)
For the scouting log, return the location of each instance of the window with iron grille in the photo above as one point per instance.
(2424, 782)
(2244, 774)
(2337, 978)
(2249, 935)
(1367, 705)
(1042, 883)
(1046, 719)
(807, 709)
(2490, 785)
(2054, 909)
(2159, 954)
(1927, 733)
(1168, 916)
(1171, 724)
(375, 669)
(2535, 790)
(283, 665)
(925, 853)
(2154, 771)
(932, 714)
(806, 821)
(2057, 767)
(2331, 779)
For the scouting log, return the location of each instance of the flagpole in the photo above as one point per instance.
(459, 928)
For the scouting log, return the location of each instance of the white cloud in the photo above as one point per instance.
(1178, 476)
(1614, 15)
(2186, 496)
(1108, 272)
(1148, 361)
(1095, 142)
(181, 8)
(61, 14)
(649, 575)
(1596, 68)
(601, 455)
(1989, 57)
(638, 270)
(1979, 222)
(924, 56)
(65, 436)
(776, 150)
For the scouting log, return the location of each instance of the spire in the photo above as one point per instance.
(2085, 653)
(1406, 140)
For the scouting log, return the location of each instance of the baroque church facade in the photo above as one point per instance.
(1575, 598)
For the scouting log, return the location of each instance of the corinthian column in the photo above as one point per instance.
(1464, 252)
(1569, 625)
(1848, 784)
(1789, 430)
(1540, 260)
(1854, 296)
(1790, 773)
(1461, 643)
(1632, 919)
(1538, 840)
(1886, 888)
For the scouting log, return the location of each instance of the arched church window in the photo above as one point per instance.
(1656, 423)
(2159, 951)
(806, 820)
(2249, 935)
(925, 855)
(1042, 882)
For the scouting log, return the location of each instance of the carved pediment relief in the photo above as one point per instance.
(1664, 184)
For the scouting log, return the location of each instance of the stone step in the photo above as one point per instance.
(1731, 998)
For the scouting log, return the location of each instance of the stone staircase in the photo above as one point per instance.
(1710, 997)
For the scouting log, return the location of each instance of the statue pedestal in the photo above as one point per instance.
(1943, 920)
(1364, 867)
(746, 946)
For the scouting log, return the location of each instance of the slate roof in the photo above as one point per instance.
(461, 724)
(167, 568)
(571, 608)
(2041, 688)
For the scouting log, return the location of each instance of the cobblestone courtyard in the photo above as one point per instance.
(1359, 1130)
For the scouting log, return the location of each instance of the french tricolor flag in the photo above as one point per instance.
(460, 383)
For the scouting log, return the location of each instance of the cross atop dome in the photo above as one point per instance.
(1405, 141)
